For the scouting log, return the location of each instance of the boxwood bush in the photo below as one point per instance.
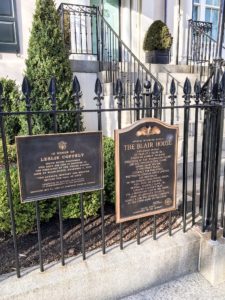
(24, 212)
(71, 204)
(157, 37)
(11, 96)
(11, 150)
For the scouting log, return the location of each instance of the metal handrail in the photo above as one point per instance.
(131, 53)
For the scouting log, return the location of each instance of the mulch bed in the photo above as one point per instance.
(28, 244)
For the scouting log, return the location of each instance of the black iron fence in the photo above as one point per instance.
(205, 196)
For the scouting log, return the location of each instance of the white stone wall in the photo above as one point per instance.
(11, 64)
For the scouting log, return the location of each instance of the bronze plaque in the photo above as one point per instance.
(146, 159)
(56, 165)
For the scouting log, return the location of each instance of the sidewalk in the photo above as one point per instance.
(190, 287)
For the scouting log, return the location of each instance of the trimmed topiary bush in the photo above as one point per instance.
(11, 96)
(47, 57)
(157, 37)
(25, 216)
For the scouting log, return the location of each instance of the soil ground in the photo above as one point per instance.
(28, 243)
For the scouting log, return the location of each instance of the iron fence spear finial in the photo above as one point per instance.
(172, 98)
(156, 98)
(197, 90)
(119, 93)
(138, 97)
(26, 90)
(77, 94)
(98, 92)
(172, 87)
(52, 92)
(187, 91)
(172, 92)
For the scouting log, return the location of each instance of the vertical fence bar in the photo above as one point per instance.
(204, 166)
(99, 98)
(76, 96)
(154, 227)
(197, 90)
(52, 92)
(27, 91)
(222, 205)
(137, 99)
(119, 97)
(172, 98)
(9, 185)
(222, 84)
(187, 97)
(82, 227)
(218, 153)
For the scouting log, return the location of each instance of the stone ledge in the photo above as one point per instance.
(116, 274)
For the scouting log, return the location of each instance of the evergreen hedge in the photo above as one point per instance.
(47, 57)
(25, 216)
(10, 98)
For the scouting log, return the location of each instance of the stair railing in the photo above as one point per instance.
(87, 32)
(201, 47)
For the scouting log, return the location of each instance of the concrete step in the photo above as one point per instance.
(156, 68)
(164, 79)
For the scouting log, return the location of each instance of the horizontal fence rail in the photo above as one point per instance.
(207, 136)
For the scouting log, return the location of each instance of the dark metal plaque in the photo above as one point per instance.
(56, 165)
(146, 159)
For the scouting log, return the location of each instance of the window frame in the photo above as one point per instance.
(11, 47)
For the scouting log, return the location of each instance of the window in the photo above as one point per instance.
(9, 41)
(207, 11)
(213, 2)
(212, 15)
(196, 10)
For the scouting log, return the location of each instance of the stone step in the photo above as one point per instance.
(163, 79)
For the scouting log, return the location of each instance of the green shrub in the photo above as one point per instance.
(47, 57)
(71, 204)
(109, 169)
(25, 216)
(11, 97)
(11, 150)
(157, 37)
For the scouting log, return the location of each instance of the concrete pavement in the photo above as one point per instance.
(189, 287)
